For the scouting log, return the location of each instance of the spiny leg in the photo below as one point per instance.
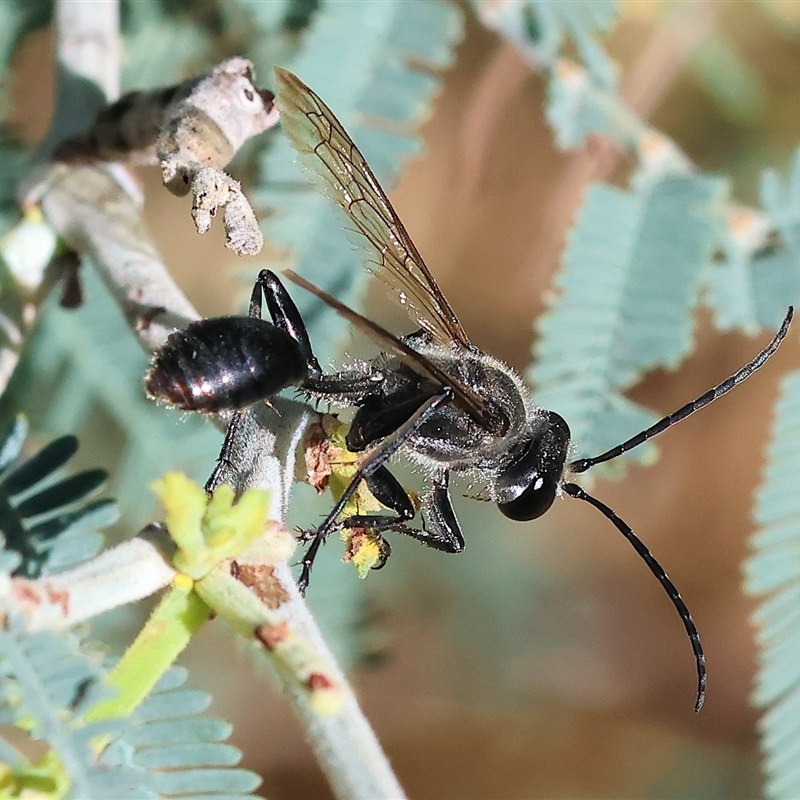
(369, 464)
(441, 529)
(388, 491)
(224, 458)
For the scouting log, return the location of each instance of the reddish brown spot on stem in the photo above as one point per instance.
(58, 597)
(261, 580)
(316, 681)
(272, 635)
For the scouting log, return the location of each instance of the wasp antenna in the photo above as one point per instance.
(574, 490)
(582, 464)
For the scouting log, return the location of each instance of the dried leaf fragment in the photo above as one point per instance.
(317, 456)
(213, 189)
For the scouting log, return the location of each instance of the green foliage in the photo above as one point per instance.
(773, 573)
(48, 522)
(752, 284)
(582, 22)
(271, 33)
(167, 748)
(627, 291)
(63, 389)
(578, 95)
(46, 684)
(544, 28)
(175, 749)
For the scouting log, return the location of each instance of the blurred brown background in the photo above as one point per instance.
(488, 204)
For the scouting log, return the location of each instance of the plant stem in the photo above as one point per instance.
(166, 633)
(345, 744)
(89, 42)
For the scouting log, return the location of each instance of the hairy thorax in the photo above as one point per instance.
(452, 438)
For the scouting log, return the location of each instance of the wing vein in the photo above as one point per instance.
(327, 151)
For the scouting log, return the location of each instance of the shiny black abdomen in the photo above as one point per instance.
(224, 363)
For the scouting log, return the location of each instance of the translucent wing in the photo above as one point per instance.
(465, 397)
(329, 153)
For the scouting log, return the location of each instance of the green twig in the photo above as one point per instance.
(169, 629)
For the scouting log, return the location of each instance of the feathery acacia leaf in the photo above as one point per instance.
(177, 749)
(753, 284)
(71, 534)
(46, 684)
(627, 290)
(541, 30)
(545, 27)
(773, 574)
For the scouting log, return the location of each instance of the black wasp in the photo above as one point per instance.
(432, 394)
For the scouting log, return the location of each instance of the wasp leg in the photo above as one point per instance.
(441, 528)
(370, 463)
(284, 314)
(351, 386)
(224, 461)
(390, 493)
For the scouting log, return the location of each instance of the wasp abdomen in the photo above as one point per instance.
(224, 363)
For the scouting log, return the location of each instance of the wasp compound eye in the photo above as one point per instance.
(528, 484)
(533, 502)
